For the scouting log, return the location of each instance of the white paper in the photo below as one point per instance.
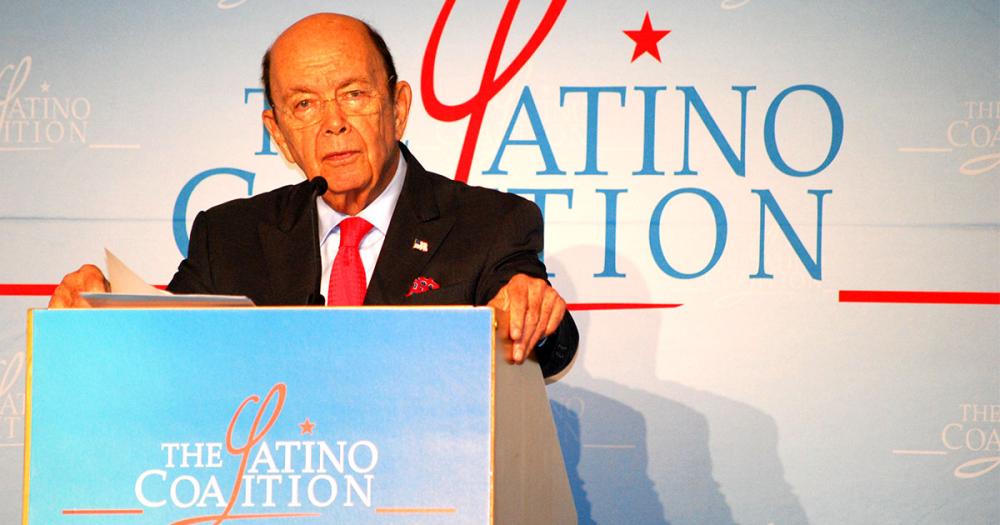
(128, 290)
(124, 281)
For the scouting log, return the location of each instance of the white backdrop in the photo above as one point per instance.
(778, 157)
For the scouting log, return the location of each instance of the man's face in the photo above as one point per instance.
(319, 68)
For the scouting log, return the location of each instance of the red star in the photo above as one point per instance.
(646, 39)
(307, 426)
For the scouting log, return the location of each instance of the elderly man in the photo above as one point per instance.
(388, 231)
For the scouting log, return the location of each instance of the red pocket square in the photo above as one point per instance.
(421, 285)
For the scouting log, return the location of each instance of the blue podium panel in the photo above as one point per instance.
(272, 415)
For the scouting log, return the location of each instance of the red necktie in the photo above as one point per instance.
(347, 280)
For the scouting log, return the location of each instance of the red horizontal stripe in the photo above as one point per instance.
(46, 290)
(42, 290)
(918, 297)
(846, 296)
(577, 307)
(27, 289)
(102, 511)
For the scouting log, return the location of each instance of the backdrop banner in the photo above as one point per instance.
(777, 223)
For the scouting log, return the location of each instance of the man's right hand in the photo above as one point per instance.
(87, 279)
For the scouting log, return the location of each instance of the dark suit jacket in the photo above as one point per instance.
(265, 247)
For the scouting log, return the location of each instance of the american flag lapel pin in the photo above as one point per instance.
(420, 245)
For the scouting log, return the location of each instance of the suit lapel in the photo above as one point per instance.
(417, 217)
(289, 250)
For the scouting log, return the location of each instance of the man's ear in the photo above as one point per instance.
(401, 107)
(271, 123)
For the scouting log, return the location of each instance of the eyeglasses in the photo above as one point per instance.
(305, 109)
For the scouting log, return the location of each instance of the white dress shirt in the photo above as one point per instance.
(378, 214)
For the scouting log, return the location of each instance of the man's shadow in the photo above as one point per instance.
(640, 452)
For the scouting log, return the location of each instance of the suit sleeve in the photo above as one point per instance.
(194, 274)
(518, 241)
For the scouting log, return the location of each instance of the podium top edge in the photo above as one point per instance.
(260, 308)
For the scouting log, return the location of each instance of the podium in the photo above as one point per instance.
(285, 415)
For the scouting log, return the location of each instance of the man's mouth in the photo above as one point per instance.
(339, 157)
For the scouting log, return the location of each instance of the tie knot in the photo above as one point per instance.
(352, 229)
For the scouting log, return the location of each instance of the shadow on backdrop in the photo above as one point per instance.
(642, 450)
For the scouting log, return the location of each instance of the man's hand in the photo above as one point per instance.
(527, 309)
(87, 279)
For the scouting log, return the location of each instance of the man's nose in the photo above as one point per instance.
(334, 120)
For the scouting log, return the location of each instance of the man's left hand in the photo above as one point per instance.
(527, 310)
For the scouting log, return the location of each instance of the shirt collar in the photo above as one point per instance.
(378, 213)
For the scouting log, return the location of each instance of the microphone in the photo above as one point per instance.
(319, 187)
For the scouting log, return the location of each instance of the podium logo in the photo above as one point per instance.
(11, 401)
(278, 479)
(32, 116)
(975, 432)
